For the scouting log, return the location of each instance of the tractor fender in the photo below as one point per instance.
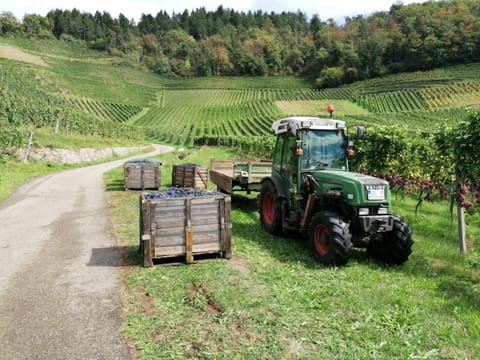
(278, 184)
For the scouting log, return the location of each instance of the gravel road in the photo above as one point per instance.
(60, 296)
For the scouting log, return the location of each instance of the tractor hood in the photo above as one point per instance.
(357, 189)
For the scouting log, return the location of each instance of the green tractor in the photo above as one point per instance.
(311, 191)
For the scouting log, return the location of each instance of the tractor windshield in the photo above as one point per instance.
(323, 149)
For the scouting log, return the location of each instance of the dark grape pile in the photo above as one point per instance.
(174, 192)
(144, 161)
(190, 165)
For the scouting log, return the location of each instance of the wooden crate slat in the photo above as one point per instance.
(187, 175)
(185, 227)
(175, 251)
(142, 175)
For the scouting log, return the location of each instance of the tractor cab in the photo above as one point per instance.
(323, 149)
(321, 143)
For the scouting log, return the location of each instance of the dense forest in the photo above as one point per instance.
(227, 42)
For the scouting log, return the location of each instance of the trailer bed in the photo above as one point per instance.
(239, 175)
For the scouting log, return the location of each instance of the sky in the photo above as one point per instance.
(133, 9)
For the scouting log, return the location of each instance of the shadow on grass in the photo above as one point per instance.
(115, 185)
(457, 278)
(290, 247)
(115, 256)
(456, 282)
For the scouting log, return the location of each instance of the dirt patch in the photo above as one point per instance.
(241, 265)
(200, 297)
(145, 302)
(9, 52)
(295, 348)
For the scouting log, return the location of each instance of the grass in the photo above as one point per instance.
(318, 108)
(273, 301)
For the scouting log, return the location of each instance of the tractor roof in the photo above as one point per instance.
(294, 123)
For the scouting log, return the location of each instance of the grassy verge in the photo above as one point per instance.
(273, 301)
(48, 138)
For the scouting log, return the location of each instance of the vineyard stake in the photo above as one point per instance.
(30, 142)
(461, 228)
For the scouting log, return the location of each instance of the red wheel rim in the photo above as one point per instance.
(321, 239)
(268, 208)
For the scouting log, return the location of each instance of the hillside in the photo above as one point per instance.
(77, 92)
(225, 42)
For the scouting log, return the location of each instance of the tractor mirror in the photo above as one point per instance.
(361, 132)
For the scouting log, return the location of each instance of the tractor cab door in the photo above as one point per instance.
(285, 163)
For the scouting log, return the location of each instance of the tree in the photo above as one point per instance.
(217, 55)
(8, 23)
(37, 26)
(330, 77)
(182, 51)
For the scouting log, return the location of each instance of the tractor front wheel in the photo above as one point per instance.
(393, 247)
(330, 239)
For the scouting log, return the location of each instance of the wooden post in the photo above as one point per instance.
(188, 233)
(148, 234)
(461, 229)
(227, 234)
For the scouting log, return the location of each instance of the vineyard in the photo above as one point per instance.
(417, 102)
(33, 98)
(114, 112)
(96, 95)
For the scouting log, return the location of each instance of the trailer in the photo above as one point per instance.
(239, 175)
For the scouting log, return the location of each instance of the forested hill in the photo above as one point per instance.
(226, 42)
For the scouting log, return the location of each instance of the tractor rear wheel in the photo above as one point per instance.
(270, 208)
(395, 246)
(330, 238)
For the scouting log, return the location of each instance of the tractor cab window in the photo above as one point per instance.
(323, 149)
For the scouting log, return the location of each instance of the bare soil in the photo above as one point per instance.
(12, 53)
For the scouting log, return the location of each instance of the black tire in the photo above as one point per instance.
(270, 208)
(393, 247)
(330, 238)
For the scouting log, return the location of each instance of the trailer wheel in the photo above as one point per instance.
(330, 239)
(393, 247)
(270, 208)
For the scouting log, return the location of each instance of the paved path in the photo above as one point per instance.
(59, 291)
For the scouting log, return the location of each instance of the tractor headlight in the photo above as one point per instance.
(363, 211)
(382, 210)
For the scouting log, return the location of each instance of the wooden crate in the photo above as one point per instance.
(190, 175)
(142, 174)
(185, 226)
